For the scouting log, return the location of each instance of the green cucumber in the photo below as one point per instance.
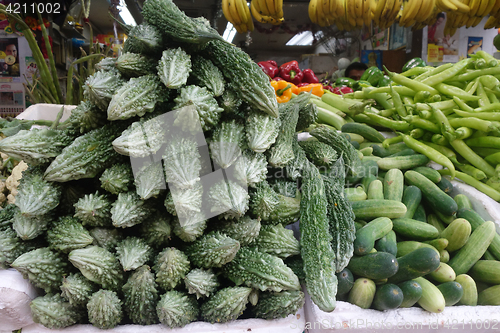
(362, 293)
(411, 198)
(345, 281)
(473, 250)
(356, 145)
(488, 256)
(420, 214)
(433, 220)
(438, 243)
(395, 148)
(445, 185)
(430, 173)
(366, 181)
(355, 193)
(379, 151)
(405, 152)
(462, 201)
(446, 219)
(412, 291)
(402, 162)
(366, 236)
(444, 256)
(443, 273)
(387, 297)
(475, 221)
(413, 229)
(432, 299)
(417, 263)
(373, 208)
(452, 292)
(359, 224)
(470, 290)
(376, 190)
(366, 131)
(393, 185)
(387, 243)
(406, 247)
(376, 266)
(437, 199)
(489, 296)
(457, 233)
(367, 151)
(487, 271)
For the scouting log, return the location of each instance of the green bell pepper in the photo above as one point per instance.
(415, 62)
(373, 75)
(345, 81)
(384, 81)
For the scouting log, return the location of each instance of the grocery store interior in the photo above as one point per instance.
(285, 166)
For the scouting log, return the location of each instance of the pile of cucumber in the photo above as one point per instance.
(415, 244)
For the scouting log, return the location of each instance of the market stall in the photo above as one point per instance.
(181, 185)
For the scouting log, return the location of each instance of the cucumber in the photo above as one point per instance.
(420, 214)
(470, 290)
(488, 256)
(395, 148)
(366, 131)
(387, 297)
(405, 152)
(412, 291)
(457, 233)
(402, 162)
(444, 256)
(380, 282)
(445, 185)
(355, 193)
(417, 263)
(375, 266)
(452, 292)
(430, 173)
(481, 286)
(345, 281)
(356, 137)
(393, 185)
(411, 198)
(359, 224)
(473, 250)
(406, 247)
(413, 229)
(355, 144)
(432, 299)
(475, 221)
(438, 243)
(380, 151)
(362, 293)
(489, 296)
(367, 151)
(433, 220)
(366, 181)
(443, 273)
(437, 199)
(446, 219)
(370, 209)
(366, 236)
(462, 201)
(376, 190)
(487, 271)
(387, 243)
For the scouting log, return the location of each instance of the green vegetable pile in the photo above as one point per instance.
(449, 113)
(120, 217)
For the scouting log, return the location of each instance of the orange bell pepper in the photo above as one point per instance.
(283, 90)
(315, 88)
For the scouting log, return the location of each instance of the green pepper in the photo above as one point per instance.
(345, 81)
(415, 62)
(359, 85)
(373, 75)
(384, 81)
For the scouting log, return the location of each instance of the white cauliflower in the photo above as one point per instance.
(12, 181)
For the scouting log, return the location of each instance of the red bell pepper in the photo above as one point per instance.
(291, 72)
(309, 76)
(342, 90)
(277, 78)
(270, 67)
(329, 88)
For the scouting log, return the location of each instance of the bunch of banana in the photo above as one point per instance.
(455, 5)
(416, 12)
(268, 11)
(478, 10)
(346, 14)
(430, 20)
(238, 13)
(385, 12)
(494, 19)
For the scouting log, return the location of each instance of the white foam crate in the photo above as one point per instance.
(452, 319)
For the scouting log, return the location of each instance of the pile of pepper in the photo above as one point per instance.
(289, 79)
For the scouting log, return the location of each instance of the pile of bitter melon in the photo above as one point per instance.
(164, 197)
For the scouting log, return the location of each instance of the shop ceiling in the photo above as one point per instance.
(265, 38)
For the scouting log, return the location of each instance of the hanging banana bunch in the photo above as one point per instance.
(416, 12)
(268, 11)
(238, 14)
(346, 14)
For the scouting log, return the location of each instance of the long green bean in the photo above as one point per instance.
(476, 123)
(486, 189)
(467, 153)
(397, 125)
(433, 71)
(409, 83)
(448, 73)
(494, 116)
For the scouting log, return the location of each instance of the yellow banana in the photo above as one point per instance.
(250, 25)
(358, 6)
(429, 11)
(341, 9)
(261, 6)
(489, 8)
(333, 8)
(271, 7)
(496, 8)
(313, 16)
(278, 7)
(351, 12)
(324, 7)
(413, 7)
(256, 15)
(474, 7)
(340, 25)
(462, 8)
(234, 12)
(321, 17)
(249, 15)
(490, 23)
(395, 10)
(481, 7)
(477, 21)
(421, 11)
(404, 12)
(377, 11)
(446, 5)
(240, 8)
(226, 12)
(389, 5)
(367, 12)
